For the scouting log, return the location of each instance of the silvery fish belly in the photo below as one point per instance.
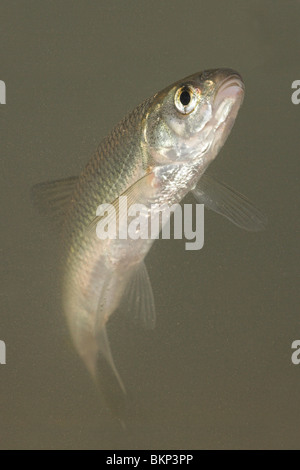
(154, 156)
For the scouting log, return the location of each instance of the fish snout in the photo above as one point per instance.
(218, 76)
(230, 86)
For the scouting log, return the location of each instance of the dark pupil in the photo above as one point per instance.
(185, 97)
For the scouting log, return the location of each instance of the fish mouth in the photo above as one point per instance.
(230, 88)
(227, 99)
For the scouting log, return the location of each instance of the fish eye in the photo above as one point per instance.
(186, 99)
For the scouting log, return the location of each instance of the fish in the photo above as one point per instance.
(155, 156)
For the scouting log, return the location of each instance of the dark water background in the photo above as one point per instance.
(217, 371)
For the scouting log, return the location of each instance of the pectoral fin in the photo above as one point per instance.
(224, 200)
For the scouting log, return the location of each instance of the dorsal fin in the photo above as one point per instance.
(52, 198)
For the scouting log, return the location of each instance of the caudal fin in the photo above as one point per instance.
(108, 379)
(96, 354)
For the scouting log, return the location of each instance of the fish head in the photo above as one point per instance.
(192, 118)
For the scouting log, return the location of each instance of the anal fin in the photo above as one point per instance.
(138, 299)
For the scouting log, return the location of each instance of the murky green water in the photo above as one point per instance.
(217, 371)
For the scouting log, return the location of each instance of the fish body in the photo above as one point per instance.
(155, 156)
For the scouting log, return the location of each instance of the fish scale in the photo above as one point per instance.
(106, 175)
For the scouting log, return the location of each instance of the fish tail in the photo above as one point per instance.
(96, 353)
(107, 377)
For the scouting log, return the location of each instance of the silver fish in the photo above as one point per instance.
(155, 155)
